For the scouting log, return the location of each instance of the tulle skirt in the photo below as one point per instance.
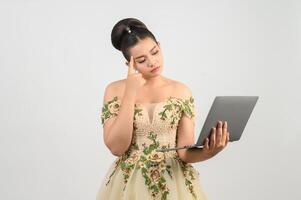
(175, 180)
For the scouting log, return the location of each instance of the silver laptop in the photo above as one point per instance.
(236, 110)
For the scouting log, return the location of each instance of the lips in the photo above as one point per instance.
(155, 68)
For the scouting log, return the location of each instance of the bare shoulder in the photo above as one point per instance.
(114, 89)
(181, 89)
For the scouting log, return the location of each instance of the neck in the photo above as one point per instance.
(152, 82)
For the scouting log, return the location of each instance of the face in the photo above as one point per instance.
(147, 56)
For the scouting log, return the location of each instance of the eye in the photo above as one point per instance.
(153, 54)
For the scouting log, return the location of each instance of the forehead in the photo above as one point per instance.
(142, 47)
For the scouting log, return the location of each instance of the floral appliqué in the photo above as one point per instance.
(151, 163)
(110, 109)
(153, 166)
(174, 108)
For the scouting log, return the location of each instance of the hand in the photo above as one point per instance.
(134, 79)
(219, 138)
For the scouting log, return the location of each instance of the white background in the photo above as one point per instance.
(56, 59)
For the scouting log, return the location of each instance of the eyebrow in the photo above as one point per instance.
(143, 55)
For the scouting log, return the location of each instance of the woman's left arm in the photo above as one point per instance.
(219, 135)
(219, 138)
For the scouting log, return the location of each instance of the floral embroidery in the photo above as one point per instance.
(117, 162)
(187, 169)
(110, 109)
(126, 162)
(129, 160)
(175, 106)
(137, 112)
(152, 164)
(126, 166)
(189, 107)
(172, 110)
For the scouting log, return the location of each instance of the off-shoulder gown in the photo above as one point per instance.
(142, 173)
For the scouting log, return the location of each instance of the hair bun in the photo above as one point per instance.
(122, 27)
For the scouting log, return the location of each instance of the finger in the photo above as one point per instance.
(131, 69)
(219, 133)
(224, 137)
(225, 126)
(212, 139)
(227, 138)
(206, 145)
(140, 75)
(141, 79)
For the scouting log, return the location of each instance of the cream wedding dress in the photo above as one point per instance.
(143, 173)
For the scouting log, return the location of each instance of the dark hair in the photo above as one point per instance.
(123, 40)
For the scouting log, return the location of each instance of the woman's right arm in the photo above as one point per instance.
(118, 130)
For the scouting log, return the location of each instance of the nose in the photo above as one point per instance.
(152, 63)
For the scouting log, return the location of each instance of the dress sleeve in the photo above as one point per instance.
(110, 109)
(189, 108)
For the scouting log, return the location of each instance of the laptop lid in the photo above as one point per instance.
(236, 110)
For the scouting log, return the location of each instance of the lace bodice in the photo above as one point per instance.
(159, 118)
(154, 126)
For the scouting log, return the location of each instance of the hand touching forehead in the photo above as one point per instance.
(143, 49)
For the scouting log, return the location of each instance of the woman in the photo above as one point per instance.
(147, 111)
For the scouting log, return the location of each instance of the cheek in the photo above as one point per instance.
(142, 66)
(160, 57)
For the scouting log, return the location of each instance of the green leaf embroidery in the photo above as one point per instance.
(150, 164)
